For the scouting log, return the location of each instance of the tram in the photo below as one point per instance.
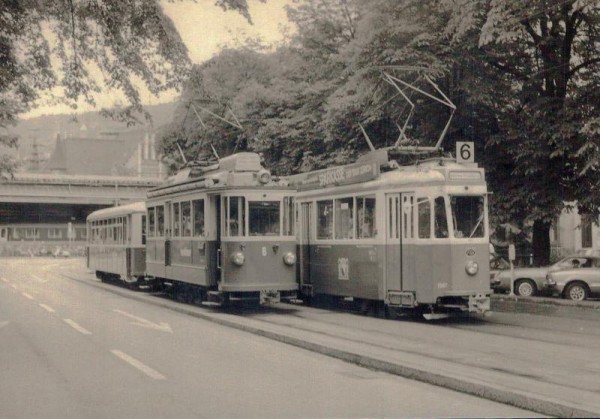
(393, 237)
(116, 244)
(223, 232)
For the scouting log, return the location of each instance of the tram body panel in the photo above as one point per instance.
(263, 269)
(440, 272)
(116, 242)
(126, 262)
(347, 270)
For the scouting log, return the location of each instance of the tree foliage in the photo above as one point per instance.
(60, 47)
(525, 76)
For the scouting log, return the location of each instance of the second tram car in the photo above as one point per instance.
(396, 237)
(116, 247)
(223, 233)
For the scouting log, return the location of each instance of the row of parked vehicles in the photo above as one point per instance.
(575, 277)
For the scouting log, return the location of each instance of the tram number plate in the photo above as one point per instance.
(442, 285)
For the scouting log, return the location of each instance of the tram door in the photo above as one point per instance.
(393, 248)
(304, 251)
(400, 233)
(168, 224)
(215, 206)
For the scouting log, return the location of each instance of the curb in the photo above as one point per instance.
(528, 402)
(553, 307)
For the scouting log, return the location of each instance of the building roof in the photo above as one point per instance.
(91, 156)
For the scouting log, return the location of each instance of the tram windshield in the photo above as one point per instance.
(264, 218)
(468, 216)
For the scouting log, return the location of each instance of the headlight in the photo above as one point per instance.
(289, 258)
(238, 258)
(471, 267)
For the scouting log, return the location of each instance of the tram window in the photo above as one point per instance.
(344, 218)
(325, 219)
(407, 216)
(467, 216)
(236, 216)
(365, 217)
(160, 221)
(176, 219)
(440, 218)
(198, 217)
(186, 219)
(424, 215)
(126, 232)
(151, 222)
(288, 216)
(144, 229)
(264, 218)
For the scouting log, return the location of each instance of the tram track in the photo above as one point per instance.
(416, 349)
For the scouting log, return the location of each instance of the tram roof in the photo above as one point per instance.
(377, 171)
(135, 207)
(243, 170)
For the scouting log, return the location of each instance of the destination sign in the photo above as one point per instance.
(344, 175)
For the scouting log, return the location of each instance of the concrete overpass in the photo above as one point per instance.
(34, 197)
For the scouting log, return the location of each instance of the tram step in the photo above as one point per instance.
(295, 301)
(435, 316)
(211, 304)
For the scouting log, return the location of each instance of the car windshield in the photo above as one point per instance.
(572, 262)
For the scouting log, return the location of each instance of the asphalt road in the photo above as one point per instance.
(68, 349)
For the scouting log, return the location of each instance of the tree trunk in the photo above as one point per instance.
(541, 243)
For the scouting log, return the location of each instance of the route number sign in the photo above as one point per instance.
(465, 152)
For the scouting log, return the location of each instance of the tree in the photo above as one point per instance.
(549, 53)
(60, 47)
(279, 97)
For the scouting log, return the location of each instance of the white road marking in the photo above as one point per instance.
(162, 326)
(14, 286)
(27, 296)
(4, 323)
(4, 280)
(139, 365)
(77, 327)
(47, 308)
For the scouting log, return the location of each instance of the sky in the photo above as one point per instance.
(204, 28)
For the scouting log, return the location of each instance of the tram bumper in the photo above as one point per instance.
(269, 297)
(479, 303)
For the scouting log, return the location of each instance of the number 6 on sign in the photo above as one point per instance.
(465, 152)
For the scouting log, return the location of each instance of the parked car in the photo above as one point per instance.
(497, 265)
(530, 281)
(578, 282)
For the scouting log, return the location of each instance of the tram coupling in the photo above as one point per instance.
(479, 303)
